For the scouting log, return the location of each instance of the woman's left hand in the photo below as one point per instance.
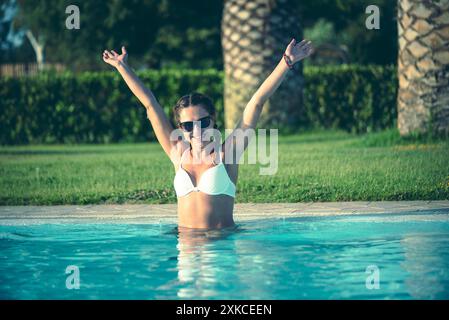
(298, 51)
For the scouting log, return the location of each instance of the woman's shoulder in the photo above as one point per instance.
(177, 151)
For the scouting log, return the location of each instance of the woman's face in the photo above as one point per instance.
(194, 113)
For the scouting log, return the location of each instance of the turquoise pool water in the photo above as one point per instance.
(402, 256)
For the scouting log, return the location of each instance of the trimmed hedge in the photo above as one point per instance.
(98, 106)
(357, 99)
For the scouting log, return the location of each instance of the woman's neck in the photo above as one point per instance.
(201, 152)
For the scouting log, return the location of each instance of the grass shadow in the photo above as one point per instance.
(391, 137)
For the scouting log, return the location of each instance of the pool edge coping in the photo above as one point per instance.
(242, 211)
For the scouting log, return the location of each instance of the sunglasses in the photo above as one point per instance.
(188, 125)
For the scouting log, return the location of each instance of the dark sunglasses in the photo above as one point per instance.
(188, 125)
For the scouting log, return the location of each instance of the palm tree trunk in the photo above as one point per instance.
(254, 36)
(423, 67)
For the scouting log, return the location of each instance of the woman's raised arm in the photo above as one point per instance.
(294, 53)
(161, 125)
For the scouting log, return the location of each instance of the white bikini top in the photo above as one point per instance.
(213, 181)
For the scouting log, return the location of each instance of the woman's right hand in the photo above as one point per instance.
(114, 59)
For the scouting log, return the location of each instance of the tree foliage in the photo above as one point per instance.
(182, 33)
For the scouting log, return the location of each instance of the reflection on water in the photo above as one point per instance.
(230, 263)
(302, 258)
(201, 259)
(426, 262)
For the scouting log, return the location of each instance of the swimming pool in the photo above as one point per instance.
(388, 256)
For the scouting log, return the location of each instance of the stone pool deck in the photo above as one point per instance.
(242, 211)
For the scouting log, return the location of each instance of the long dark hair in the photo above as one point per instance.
(195, 99)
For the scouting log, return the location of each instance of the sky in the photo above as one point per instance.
(10, 9)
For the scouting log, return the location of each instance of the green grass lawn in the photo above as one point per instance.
(313, 166)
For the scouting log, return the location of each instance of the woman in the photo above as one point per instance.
(205, 190)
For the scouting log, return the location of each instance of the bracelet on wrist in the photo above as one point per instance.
(288, 61)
